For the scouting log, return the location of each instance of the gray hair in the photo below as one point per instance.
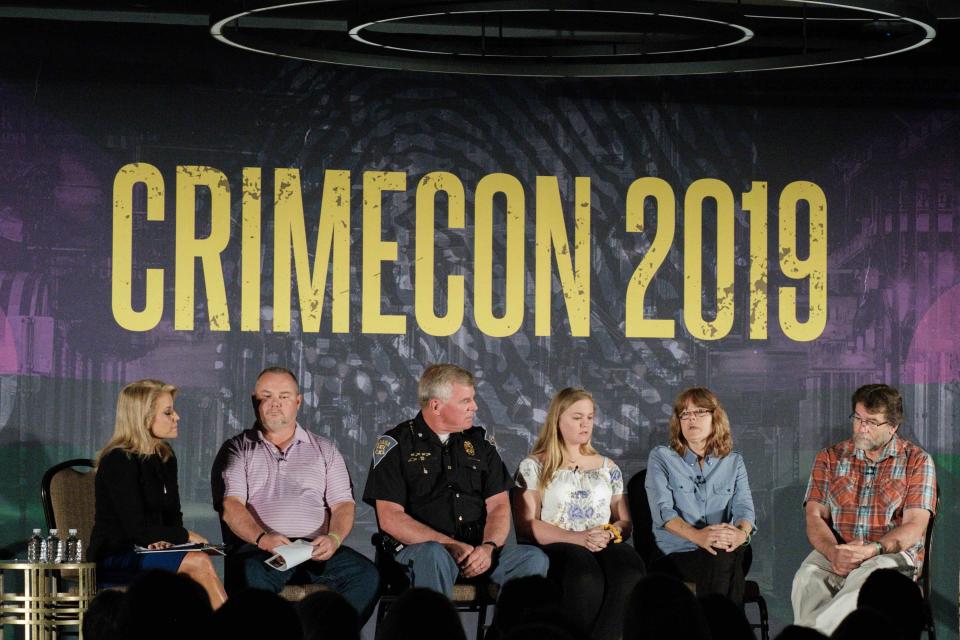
(437, 382)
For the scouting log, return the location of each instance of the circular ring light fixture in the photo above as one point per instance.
(579, 38)
(556, 43)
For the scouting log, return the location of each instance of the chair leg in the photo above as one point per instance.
(764, 619)
(381, 612)
(931, 626)
(481, 621)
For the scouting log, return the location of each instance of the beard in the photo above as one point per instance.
(868, 443)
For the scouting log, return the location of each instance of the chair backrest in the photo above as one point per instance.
(926, 580)
(67, 494)
(643, 540)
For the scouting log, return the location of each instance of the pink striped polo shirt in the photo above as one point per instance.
(290, 492)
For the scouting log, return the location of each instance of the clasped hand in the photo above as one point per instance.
(849, 556)
(473, 561)
(725, 537)
(596, 539)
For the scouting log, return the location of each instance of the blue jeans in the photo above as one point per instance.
(428, 565)
(347, 572)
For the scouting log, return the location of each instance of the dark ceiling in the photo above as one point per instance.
(167, 40)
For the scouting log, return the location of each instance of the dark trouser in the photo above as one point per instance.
(595, 586)
(722, 573)
(347, 572)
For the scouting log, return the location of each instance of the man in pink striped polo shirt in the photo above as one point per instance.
(282, 483)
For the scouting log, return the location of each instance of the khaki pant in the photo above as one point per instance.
(822, 599)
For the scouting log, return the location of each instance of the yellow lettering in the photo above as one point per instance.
(696, 324)
(425, 261)
(250, 250)
(755, 201)
(813, 267)
(376, 251)
(190, 247)
(122, 276)
(512, 318)
(333, 238)
(551, 232)
(636, 324)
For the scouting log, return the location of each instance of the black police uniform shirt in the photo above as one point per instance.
(442, 485)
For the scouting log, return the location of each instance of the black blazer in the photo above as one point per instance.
(137, 503)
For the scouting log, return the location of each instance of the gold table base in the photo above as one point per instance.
(41, 608)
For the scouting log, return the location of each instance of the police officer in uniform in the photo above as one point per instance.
(440, 491)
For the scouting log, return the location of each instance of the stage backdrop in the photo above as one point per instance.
(357, 226)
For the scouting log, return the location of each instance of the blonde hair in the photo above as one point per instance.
(136, 410)
(720, 442)
(437, 382)
(549, 446)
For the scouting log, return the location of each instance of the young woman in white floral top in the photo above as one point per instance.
(572, 505)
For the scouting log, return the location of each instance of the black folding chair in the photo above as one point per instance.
(646, 545)
(469, 596)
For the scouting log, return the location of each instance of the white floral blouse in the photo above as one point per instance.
(574, 500)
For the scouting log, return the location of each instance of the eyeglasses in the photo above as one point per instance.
(872, 424)
(694, 414)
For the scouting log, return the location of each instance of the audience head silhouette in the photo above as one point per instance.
(160, 605)
(326, 615)
(890, 590)
(663, 608)
(102, 619)
(421, 614)
(794, 632)
(866, 624)
(725, 619)
(532, 601)
(255, 613)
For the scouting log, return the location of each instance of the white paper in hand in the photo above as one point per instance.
(288, 556)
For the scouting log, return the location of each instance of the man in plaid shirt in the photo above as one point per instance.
(867, 507)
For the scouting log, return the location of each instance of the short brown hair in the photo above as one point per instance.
(720, 442)
(281, 370)
(437, 381)
(880, 397)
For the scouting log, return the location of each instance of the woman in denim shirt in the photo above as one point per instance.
(700, 502)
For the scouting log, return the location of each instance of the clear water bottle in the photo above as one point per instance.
(34, 546)
(72, 540)
(54, 548)
(79, 553)
(44, 555)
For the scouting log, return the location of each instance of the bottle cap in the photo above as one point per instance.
(53, 532)
(36, 532)
(72, 532)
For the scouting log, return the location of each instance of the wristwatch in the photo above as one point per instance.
(492, 544)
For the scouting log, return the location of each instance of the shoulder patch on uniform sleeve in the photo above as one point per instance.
(382, 448)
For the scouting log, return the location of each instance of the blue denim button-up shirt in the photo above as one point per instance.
(677, 488)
